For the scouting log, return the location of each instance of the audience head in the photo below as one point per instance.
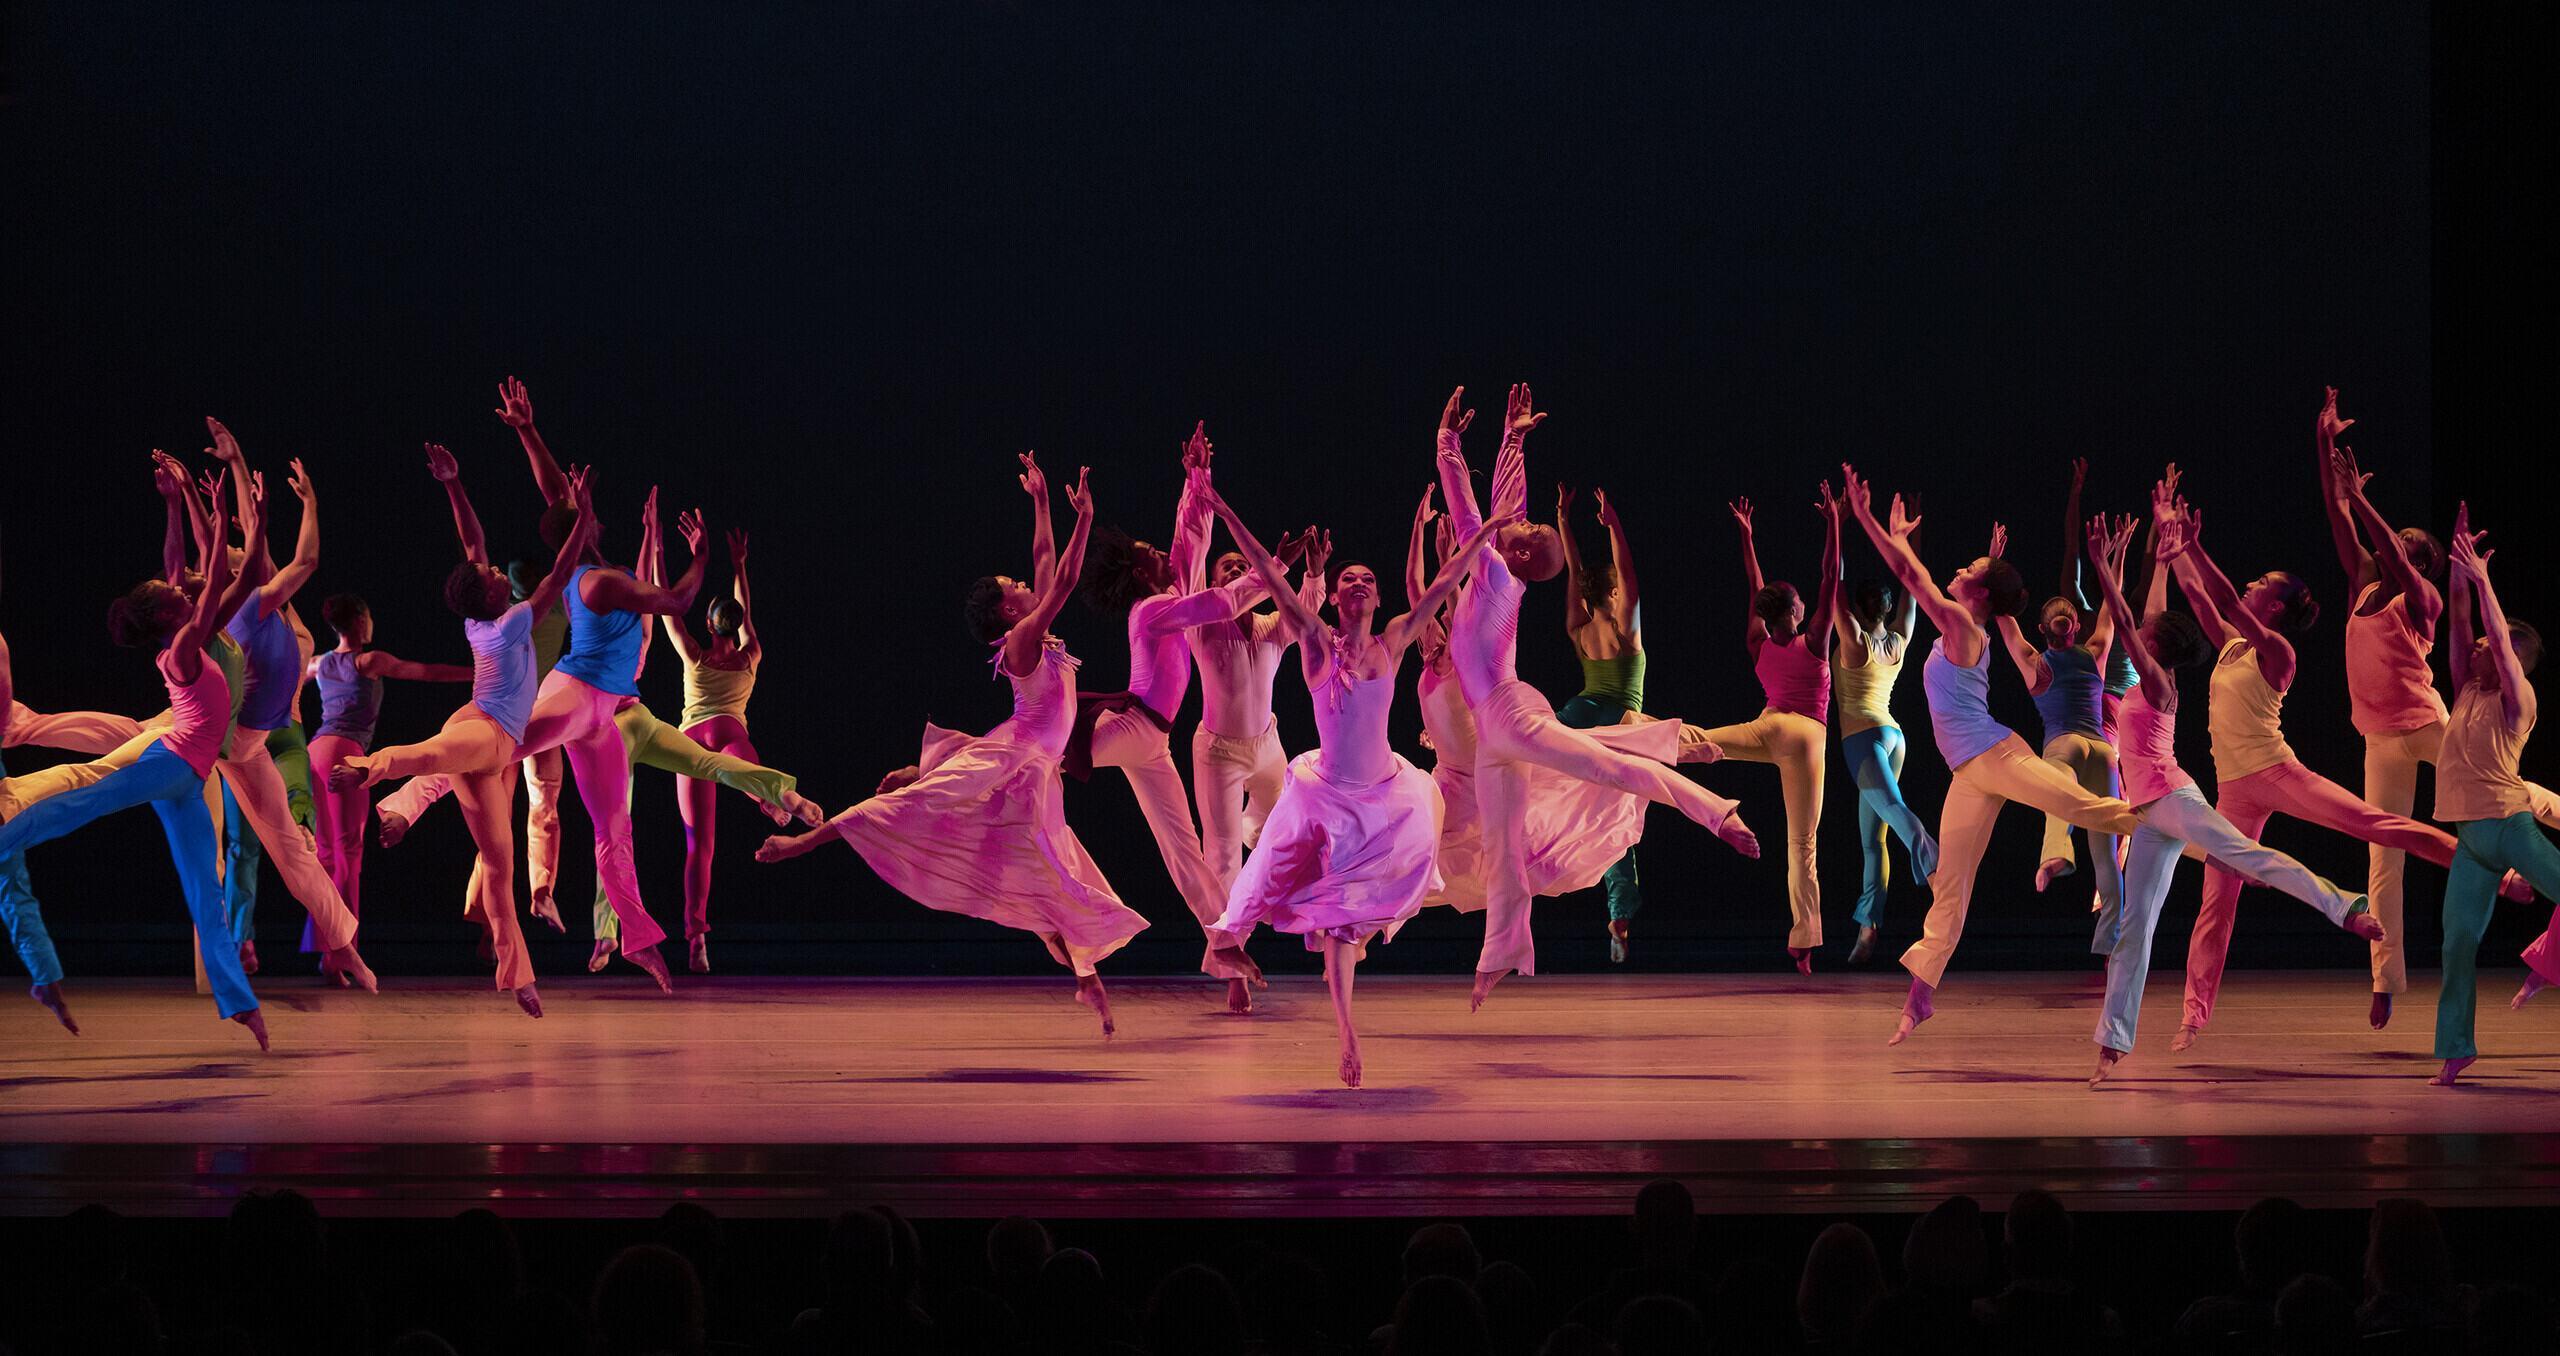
(1843, 1278)
(1439, 1316)
(1017, 1247)
(860, 1256)
(1665, 1223)
(1945, 1251)
(2314, 1317)
(2038, 1235)
(1194, 1313)
(2405, 1252)
(1441, 1250)
(648, 1302)
(2274, 1243)
(1659, 1325)
(1510, 1299)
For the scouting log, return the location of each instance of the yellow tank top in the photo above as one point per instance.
(1865, 692)
(2245, 714)
(712, 692)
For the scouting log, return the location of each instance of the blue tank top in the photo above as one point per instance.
(2074, 702)
(604, 647)
(1959, 705)
(2122, 677)
(350, 703)
(273, 666)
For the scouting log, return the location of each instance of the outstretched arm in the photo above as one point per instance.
(1510, 489)
(2105, 549)
(515, 406)
(1044, 545)
(1189, 545)
(2473, 564)
(1402, 631)
(1577, 613)
(1892, 541)
(170, 479)
(1457, 483)
(2202, 578)
(546, 595)
(1826, 594)
(226, 449)
(2458, 660)
(380, 664)
(750, 641)
(610, 590)
(466, 524)
(1622, 560)
(653, 571)
(1022, 643)
(2390, 555)
(278, 591)
(1415, 580)
(2325, 429)
(1754, 630)
(2071, 587)
(1298, 619)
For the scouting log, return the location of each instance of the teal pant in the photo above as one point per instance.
(2485, 851)
(1875, 764)
(1587, 712)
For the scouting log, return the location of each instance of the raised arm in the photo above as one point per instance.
(2458, 659)
(1405, 629)
(2022, 652)
(1457, 483)
(653, 571)
(750, 641)
(2325, 429)
(466, 524)
(1044, 544)
(1297, 617)
(2390, 555)
(2203, 579)
(170, 479)
(2071, 585)
(2104, 635)
(226, 449)
(1754, 630)
(1577, 613)
(651, 566)
(1622, 559)
(1510, 487)
(546, 595)
(1415, 577)
(1892, 541)
(2473, 564)
(1022, 644)
(381, 664)
(2106, 548)
(515, 407)
(279, 590)
(1189, 545)
(1826, 594)
(618, 592)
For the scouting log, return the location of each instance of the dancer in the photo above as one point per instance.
(2174, 814)
(1604, 617)
(1789, 649)
(1237, 764)
(1991, 764)
(169, 775)
(1872, 631)
(718, 678)
(19, 908)
(2479, 792)
(291, 753)
(1515, 728)
(2255, 772)
(1346, 856)
(2066, 677)
(350, 680)
(976, 826)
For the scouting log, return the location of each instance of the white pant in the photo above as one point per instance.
(1143, 752)
(1235, 779)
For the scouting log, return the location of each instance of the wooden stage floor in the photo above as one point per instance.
(981, 1097)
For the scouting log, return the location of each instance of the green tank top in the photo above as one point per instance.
(234, 664)
(1619, 680)
(550, 637)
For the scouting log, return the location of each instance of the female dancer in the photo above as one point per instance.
(1992, 766)
(2255, 772)
(1515, 728)
(977, 826)
(169, 776)
(350, 678)
(718, 678)
(1347, 853)
(1789, 650)
(2479, 792)
(2174, 814)
(1237, 764)
(1873, 632)
(2067, 679)
(1604, 617)
(479, 743)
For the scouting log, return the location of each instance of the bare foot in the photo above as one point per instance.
(2380, 1013)
(530, 1001)
(1485, 980)
(803, 809)
(1738, 836)
(1235, 956)
(602, 955)
(2107, 1057)
(697, 954)
(248, 958)
(257, 1024)
(1351, 1062)
(394, 828)
(2452, 1071)
(1701, 751)
(1089, 991)
(548, 910)
(2187, 1036)
(1617, 941)
(350, 968)
(2514, 889)
(1239, 998)
(51, 996)
(2050, 868)
(647, 959)
(2533, 984)
(1916, 1008)
(1865, 950)
(1803, 957)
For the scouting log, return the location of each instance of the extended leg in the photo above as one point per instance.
(1341, 959)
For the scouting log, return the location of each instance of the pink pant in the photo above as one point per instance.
(698, 801)
(2248, 802)
(578, 720)
(341, 819)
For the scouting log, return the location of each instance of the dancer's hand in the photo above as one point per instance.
(1999, 540)
(253, 519)
(689, 526)
(1517, 416)
(737, 548)
(1855, 491)
(1196, 450)
(515, 404)
(2466, 554)
(299, 481)
(2329, 424)
(1741, 511)
(1081, 497)
(440, 463)
(1564, 499)
(2164, 492)
(1319, 550)
(1828, 505)
(2342, 470)
(2101, 546)
(1901, 521)
(209, 484)
(167, 476)
(1034, 483)
(2079, 473)
(224, 446)
(2125, 525)
(1451, 419)
(1608, 511)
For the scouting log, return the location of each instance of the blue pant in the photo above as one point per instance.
(1586, 712)
(163, 781)
(1875, 764)
(2487, 849)
(25, 917)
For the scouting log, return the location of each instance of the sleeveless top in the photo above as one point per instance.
(502, 678)
(710, 691)
(1447, 720)
(350, 702)
(274, 665)
(1866, 690)
(2149, 752)
(1960, 704)
(1044, 704)
(604, 647)
(1794, 678)
(1351, 722)
(2245, 714)
(1619, 680)
(2122, 676)
(2389, 685)
(2476, 775)
(2074, 701)
(199, 711)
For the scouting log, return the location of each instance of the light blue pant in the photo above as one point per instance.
(1875, 764)
(25, 917)
(163, 781)
(2168, 824)
(2486, 850)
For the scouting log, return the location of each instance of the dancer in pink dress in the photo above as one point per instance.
(1346, 855)
(1516, 729)
(977, 826)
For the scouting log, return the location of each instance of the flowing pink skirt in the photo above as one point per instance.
(1346, 863)
(1577, 829)
(981, 831)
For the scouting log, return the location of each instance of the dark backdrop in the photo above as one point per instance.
(823, 272)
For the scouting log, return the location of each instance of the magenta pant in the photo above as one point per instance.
(342, 816)
(698, 801)
(578, 720)
(2249, 802)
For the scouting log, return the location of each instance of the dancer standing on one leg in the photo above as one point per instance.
(169, 775)
(1789, 650)
(2479, 792)
(1515, 728)
(1991, 764)
(1872, 634)
(1604, 617)
(2255, 772)
(1346, 856)
(2174, 814)
(350, 678)
(977, 826)
(2067, 680)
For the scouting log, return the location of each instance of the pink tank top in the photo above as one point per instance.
(199, 711)
(1794, 677)
(2148, 745)
(2389, 685)
(1044, 704)
(1351, 721)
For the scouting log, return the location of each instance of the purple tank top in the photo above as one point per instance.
(1960, 705)
(350, 702)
